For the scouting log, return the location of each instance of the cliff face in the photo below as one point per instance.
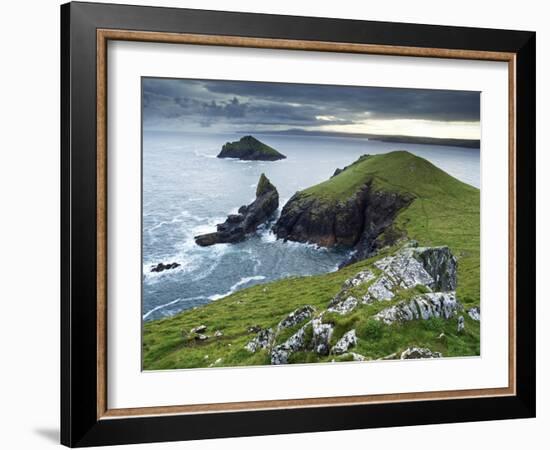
(355, 222)
(250, 149)
(237, 226)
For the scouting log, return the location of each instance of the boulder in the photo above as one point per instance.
(254, 329)
(199, 329)
(250, 217)
(424, 306)
(343, 305)
(296, 342)
(348, 340)
(460, 324)
(475, 313)
(296, 316)
(262, 340)
(419, 353)
(358, 279)
(201, 337)
(322, 333)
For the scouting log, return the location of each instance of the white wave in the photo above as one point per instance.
(173, 302)
(236, 286)
(268, 236)
(208, 227)
(204, 155)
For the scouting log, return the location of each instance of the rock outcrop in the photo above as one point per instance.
(419, 353)
(355, 222)
(424, 307)
(475, 314)
(249, 148)
(237, 226)
(262, 340)
(435, 268)
(296, 342)
(296, 316)
(349, 339)
(161, 267)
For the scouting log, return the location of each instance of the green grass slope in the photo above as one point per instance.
(445, 211)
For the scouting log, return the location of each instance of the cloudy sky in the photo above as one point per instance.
(244, 106)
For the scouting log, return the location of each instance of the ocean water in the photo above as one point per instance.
(187, 191)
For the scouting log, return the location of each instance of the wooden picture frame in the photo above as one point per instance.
(86, 418)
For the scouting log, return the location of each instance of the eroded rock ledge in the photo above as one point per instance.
(249, 217)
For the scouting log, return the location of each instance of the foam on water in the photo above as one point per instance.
(238, 284)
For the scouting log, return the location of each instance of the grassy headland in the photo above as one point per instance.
(444, 211)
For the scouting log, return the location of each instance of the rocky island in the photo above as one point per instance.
(249, 148)
(249, 217)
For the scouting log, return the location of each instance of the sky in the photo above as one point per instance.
(248, 107)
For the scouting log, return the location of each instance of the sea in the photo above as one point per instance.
(187, 191)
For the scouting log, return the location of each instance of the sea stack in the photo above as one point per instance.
(238, 226)
(248, 148)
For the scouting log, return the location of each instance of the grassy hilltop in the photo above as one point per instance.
(444, 212)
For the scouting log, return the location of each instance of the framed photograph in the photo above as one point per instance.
(276, 224)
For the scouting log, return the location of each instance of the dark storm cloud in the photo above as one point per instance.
(235, 104)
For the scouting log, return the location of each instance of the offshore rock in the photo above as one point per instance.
(238, 226)
(161, 267)
(249, 148)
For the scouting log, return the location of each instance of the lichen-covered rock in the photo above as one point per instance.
(381, 289)
(460, 324)
(296, 316)
(433, 267)
(238, 226)
(199, 329)
(322, 333)
(424, 306)
(343, 306)
(348, 340)
(357, 356)
(475, 313)
(296, 342)
(404, 270)
(358, 279)
(419, 353)
(262, 340)
(440, 263)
